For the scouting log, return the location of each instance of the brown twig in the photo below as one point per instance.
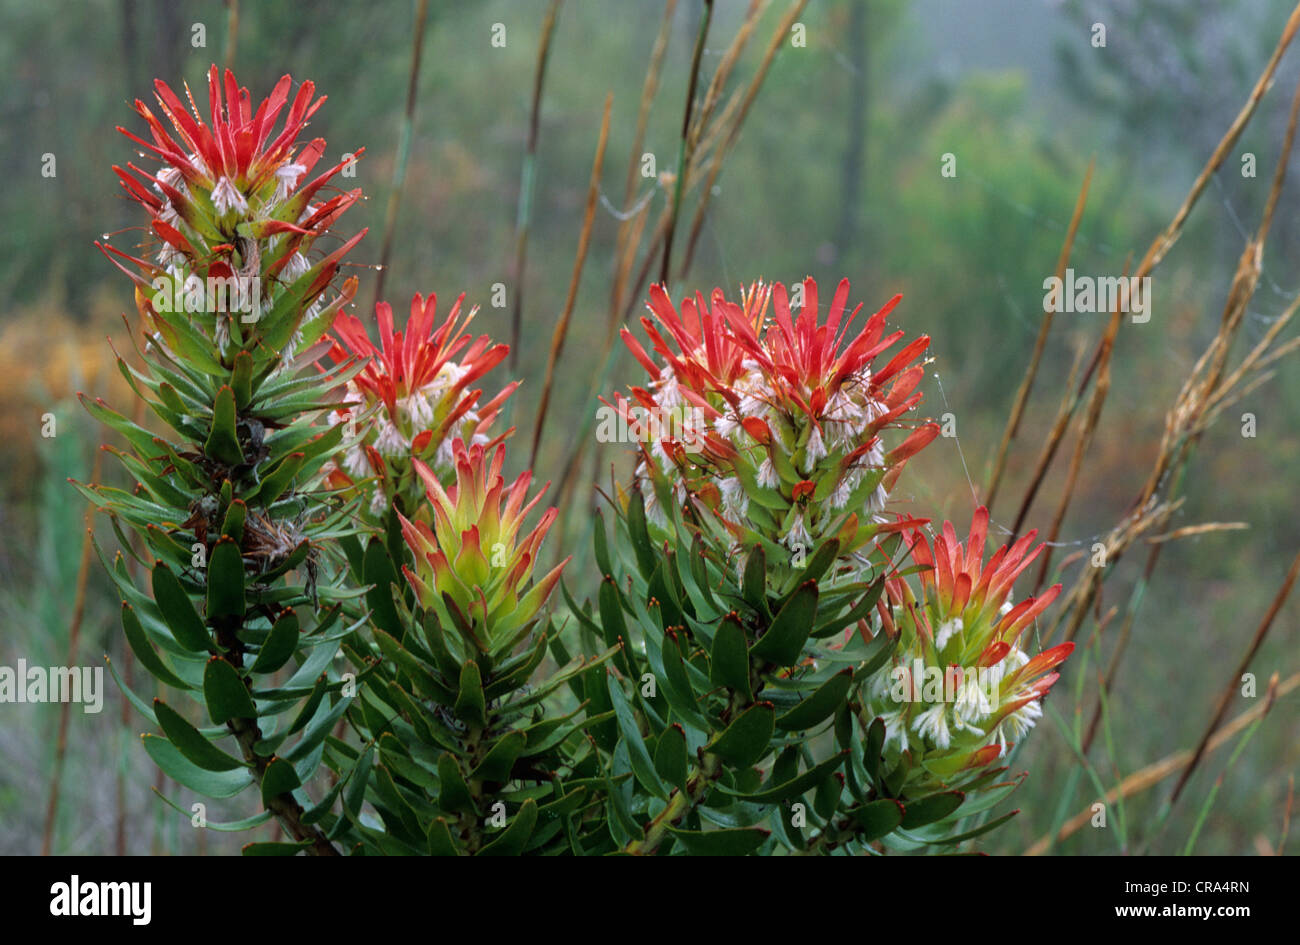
(403, 148)
(685, 148)
(1225, 699)
(584, 240)
(74, 638)
(1153, 774)
(1027, 382)
(629, 235)
(527, 174)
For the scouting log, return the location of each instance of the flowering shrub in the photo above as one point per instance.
(343, 583)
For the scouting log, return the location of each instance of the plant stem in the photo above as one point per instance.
(286, 810)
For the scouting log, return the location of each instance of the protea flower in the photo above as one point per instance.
(233, 202)
(472, 567)
(788, 442)
(961, 689)
(414, 398)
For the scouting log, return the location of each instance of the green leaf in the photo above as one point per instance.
(877, 818)
(471, 706)
(748, 736)
(931, 808)
(512, 840)
(149, 658)
(241, 379)
(980, 830)
(225, 693)
(377, 569)
(642, 767)
(820, 705)
(820, 562)
(191, 742)
(639, 533)
(440, 841)
(278, 479)
(223, 440)
(612, 625)
(278, 778)
(875, 742)
(500, 759)
(279, 644)
(454, 793)
(216, 784)
(178, 611)
(784, 640)
(225, 582)
(671, 759)
(232, 526)
(740, 841)
(794, 786)
(729, 661)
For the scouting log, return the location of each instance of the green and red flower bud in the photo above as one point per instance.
(474, 564)
(960, 688)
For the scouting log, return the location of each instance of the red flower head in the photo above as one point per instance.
(417, 395)
(234, 198)
(787, 416)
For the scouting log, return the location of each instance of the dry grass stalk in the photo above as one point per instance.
(523, 219)
(584, 240)
(1153, 774)
(1027, 383)
(74, 640)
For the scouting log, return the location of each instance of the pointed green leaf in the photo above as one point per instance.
(191, 742)
(729, 661)
(471, 705)
(225, 693)
(149, 658)
(279, 644)
(511, 840)
(931, 808)
(784, 640)
(820, 705)
(223, 439)
(642, 767)
(454, 793)
(278, 778)
(875, 819)
(440, 841)
(500, 759)
(218, 784)
(671, 760)
(178, 610)
(740, 841)
(747, 738)
(225, 582)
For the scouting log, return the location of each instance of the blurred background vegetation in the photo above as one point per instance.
(836, 173)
